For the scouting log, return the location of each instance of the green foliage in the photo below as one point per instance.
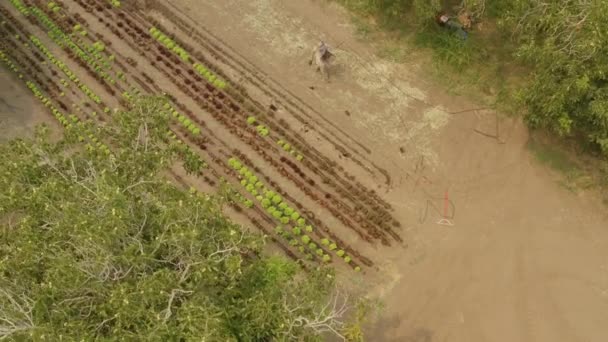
(106, 248)
(566, 46)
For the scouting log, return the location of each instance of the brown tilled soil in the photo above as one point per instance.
(525, 259)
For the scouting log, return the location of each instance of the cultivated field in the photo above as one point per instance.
(352, 173)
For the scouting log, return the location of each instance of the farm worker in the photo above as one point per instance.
(451, 23)
(321, 56)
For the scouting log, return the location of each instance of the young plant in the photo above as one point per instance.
(305, 239)
(347, 259)
(312, 246)
(296, 230)
(251, 120)
(309, 230)
(326, 258)
(295, 216)
(332, 246)
(279, 230)
(340, 253)
(325, 242)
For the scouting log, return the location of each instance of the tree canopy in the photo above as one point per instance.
(97, 246)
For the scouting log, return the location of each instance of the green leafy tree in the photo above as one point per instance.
(97, 247)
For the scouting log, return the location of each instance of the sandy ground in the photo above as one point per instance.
(526, 260)
(19, 111)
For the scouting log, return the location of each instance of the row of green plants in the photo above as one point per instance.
(294, 227)
(64, 40)
(83, 132)
(182, 120)
(264, 132)
(21, 7)
(4, 58)
(209, 76)
(262, 129)
(65, 69)
(47, 103)
(170, 44)
(69, 122)
(289, 149)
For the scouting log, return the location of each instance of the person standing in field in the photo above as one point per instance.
(321, 56)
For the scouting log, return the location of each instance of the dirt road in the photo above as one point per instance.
(526, 260)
